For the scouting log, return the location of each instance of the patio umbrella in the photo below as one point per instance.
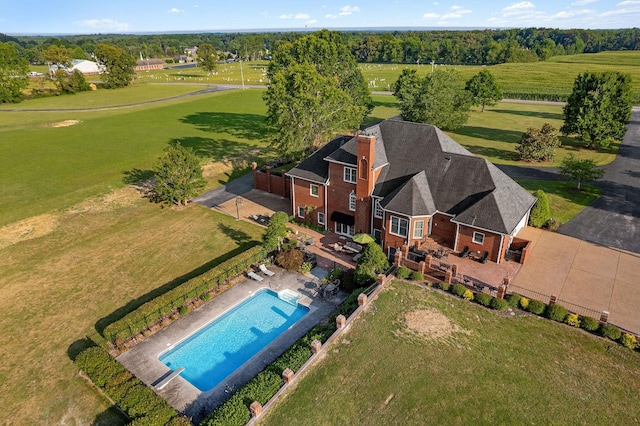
(363, 238)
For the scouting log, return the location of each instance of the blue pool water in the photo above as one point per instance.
(214, 352)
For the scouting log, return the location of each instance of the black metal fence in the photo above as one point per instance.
(546, 298)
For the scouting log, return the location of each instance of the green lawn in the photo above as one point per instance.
(44, 168)
(494, 370)
(565, 200)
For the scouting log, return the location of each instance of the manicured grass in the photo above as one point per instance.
(565, 200)
(96, 263)
(254, 74)
(44, 168)
(495, 370)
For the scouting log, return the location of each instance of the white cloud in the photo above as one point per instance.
(455, 15)
(311, 22)
(296, 16)
(455, 7)
(583, 2)
(518, 8)
(330, 16)
(571, 14)
(628, 3)
(631, 11)
(104, 24)
(431, 16)
(348, 10)
(175, 10)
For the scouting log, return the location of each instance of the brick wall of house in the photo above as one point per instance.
(443, 228)
(303, 198)
(491, 242)
(338, 193)
(391, 240)
(412, 229)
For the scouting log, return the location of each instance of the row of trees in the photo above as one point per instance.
(455, 47)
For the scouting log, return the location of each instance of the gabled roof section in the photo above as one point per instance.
(348, 153)
(413, 198)
(315, 168)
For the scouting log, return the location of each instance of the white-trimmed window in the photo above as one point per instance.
(320, 218)
(301, 212)
(350, 174)
(313, 190)
(377, 209)
(352, 201)
(478, 237)
(399, 226)
(418, 229)
(342, 229)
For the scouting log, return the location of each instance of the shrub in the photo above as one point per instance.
(514, 300)
(629, 341)
(524, 302)
(205, 297)
(458, 289)
(444, 286)
(610, 331)
(536, 307)
(589, 324)
(573, 320)
(403, 272)
(499, 304)
(305, 268)
(468, 295)
(290, 260)
(335, 274)
(417, 276)
(183, 310)
(483, 298)
(556, 312)
(540, 213)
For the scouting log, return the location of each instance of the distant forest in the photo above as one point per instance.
(476, 47)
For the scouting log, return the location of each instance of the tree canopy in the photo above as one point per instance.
(207, 57)
(372, 262)
(599, 107)
(13, 74)
(580, 170)
(118, 65)
(315, 89)
(438, 98)
(539, 144)
(540, 213)
(484, 89)
(178, 176)
(58, 55)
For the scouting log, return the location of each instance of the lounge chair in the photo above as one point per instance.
(353, 247)
(265, 271)
(255, 276)
(483, 258)
(465, 251)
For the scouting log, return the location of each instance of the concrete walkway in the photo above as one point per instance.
(224, 193)
(586, 274)
(142, 360)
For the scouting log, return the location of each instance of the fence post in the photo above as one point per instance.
(553, 299)
(604, 317)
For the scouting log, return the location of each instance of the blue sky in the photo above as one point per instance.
(82, 17)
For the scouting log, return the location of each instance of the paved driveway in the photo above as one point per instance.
(586, 274)
(613, 220)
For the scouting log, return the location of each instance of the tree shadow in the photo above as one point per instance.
(539, 114)
(78, 346)
(136, 176)
(245, 126)
(110, 417)
(386, 104)
(139, 301)
(218, 149)
(240, 237)
(490, 152)
(490, 134)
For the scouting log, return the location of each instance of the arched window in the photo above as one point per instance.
(364, 169)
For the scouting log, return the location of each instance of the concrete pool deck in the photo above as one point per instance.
(142, 360)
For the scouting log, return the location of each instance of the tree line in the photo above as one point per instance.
(476, 47)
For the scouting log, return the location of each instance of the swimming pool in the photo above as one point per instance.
(218, 349)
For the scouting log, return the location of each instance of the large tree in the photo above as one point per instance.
(13, 74)
(315, 89)
(580, 170)
(372, 262)
(599, 107)
(539, 144)
(438, 98)
(118, 65)
(178, 176)
(484, 89)
(207, 57)
(58, 55)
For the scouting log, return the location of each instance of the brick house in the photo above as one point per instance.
(403, 182)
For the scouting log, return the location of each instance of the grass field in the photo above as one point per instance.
(91, 264)
(565, 201)
(483, 369)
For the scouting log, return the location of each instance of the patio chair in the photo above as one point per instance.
(483, 258)
(265, 271)
(255, 276)
(464, 252)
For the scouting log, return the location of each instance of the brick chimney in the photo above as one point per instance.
(365, 181)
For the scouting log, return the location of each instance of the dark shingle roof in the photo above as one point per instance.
(315, 167)
(425, 171)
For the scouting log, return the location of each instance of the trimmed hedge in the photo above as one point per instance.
(458, 289)
(403, 272)
(556, 312)
(445, 286)
(610, 331)
(499, 304)
(141, 404)
(149, 313)
(589, 323)
(536, 307)
(514, 300)
(483, 298)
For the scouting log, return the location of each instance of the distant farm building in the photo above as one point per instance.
(84, 66)
(148, 64)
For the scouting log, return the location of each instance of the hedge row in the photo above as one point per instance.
(139, 402)
(149, 313)
(235, 411)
